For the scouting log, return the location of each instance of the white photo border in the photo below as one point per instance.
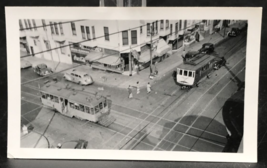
(252, 14)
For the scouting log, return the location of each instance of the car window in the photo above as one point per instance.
(86, 75)
(76, 75)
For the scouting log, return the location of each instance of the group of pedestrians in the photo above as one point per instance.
(130, 89)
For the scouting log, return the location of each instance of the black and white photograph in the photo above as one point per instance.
(149, 82)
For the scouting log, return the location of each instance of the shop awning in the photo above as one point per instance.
(162, 48)
(145, 56)
(91, 56)
(79, 51)
(110, 60)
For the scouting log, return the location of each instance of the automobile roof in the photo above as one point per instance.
(78, 72)
(42, 65)
(201, 62)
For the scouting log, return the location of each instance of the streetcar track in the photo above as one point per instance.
(206, 108)
(198, 100)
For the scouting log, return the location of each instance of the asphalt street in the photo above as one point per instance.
(168, 119)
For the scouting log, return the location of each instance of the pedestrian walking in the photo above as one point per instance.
(148, 87)
(137, 88)
(130, 92)
(136, 69)
(197, 36)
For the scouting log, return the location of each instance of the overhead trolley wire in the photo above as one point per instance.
(98, 38)
(47, 25)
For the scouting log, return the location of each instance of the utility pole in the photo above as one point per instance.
(151, 47)
(130, 63)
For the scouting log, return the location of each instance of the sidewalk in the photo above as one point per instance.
(121, 81)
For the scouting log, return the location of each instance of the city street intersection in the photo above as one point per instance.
(167, 119)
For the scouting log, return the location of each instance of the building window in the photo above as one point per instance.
(125, 38)
(141, 29)
(29, 22)
(26, 24)
(106, 33)
(180, 25)
(161, 24)
(134, 36)
(185, 24)
(148, 29)
(88, 32)
(83, 32)
(44, 25)
(52, 28)
(20, 25)
(56, 29)
(61, 28)
(171, 29)
(167, 24)
(176, 28)
(73, 28)
(62, 48)
(34, 24)
(47, 44)
(93, 32)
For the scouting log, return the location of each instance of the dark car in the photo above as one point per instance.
(190, 54)
(75, 144)
(42, 70)
(207, 48)
(233, 32)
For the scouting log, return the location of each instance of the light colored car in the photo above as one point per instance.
(79, 77)
(24, 64)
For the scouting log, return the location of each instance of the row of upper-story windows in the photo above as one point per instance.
(85, 31)
(56, 28)
(28, 24)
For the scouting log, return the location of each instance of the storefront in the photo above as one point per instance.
(177, 43)
(112, 63)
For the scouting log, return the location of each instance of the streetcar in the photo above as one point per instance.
(73, 103)
(192, 71)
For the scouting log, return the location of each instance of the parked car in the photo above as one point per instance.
(75, 144)
(42, 70)
(24, 64)
(79, 77)
(207, 48)
(233, 32)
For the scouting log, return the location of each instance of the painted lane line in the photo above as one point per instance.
(192, 106)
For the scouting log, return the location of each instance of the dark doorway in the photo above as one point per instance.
(32, 51)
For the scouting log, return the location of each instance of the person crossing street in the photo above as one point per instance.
(130, 92)
(148, 87)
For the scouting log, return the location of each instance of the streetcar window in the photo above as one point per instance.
(193, 74)
(87, 109)
(43, 95)
(81, 108)
(105, 103)
(100, 105)
(185, 73)
(190, 74)
(181, 72)
(72, 105)
(55, 99)
(96, 109)
(76, 106)
(92, 110)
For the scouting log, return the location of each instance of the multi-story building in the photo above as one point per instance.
(113, 45)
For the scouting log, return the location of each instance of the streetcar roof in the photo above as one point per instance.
(203, 61)
(57, 91)
(86, 99)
